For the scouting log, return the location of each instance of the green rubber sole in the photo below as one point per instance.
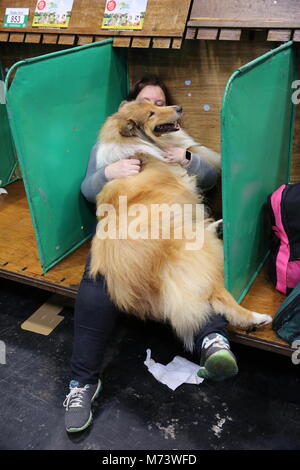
(86, 425)
(89, 421)
(219, 366)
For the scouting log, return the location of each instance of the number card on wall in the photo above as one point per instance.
(55, 14)
(16, 17)
(124, 15)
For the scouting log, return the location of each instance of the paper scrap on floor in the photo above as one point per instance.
(174, 374)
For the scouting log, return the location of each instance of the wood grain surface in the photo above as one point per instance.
(163, 18)
(253, 13)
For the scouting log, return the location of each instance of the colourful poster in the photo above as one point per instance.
(55, 14)
(16, 17)
(124, 15)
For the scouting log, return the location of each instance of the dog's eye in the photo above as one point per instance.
(151, 113)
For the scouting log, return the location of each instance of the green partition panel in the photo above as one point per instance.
(57, 103)
(8, 161)
(256, 128)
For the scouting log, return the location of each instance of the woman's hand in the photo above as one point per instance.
(122, 168)
(175, 155)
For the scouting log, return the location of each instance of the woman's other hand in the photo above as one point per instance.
(122, 168)
(175, 155)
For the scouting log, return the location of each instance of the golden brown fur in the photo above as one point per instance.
(161, 278)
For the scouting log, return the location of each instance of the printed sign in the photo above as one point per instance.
(55, 14)
(16, 17)
(124, 15)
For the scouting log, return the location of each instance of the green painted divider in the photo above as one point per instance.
(256, 138)
(8, 161)
(57, 103)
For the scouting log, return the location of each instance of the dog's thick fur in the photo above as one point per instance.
(160, 278)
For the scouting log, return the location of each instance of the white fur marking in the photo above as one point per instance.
(261, 318)
(110, 153)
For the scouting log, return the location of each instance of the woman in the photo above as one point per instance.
(95, 314)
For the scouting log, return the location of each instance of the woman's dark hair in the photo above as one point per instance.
(145, 81)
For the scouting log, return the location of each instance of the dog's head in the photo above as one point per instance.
(144, 119)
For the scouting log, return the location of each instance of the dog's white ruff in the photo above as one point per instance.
(108, 153)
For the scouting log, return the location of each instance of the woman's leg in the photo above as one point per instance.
(217, 362)
(216, 324)
(94, 321)
(95, 317)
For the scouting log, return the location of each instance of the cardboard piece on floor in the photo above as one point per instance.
(46, 318)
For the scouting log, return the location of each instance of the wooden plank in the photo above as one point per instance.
(141, 42)
(101, 38)
(16, 37)
(18, 250)
(157, 22)
(122, 42)
(263, 298)
(191, 33)
(39, 283)
(50, 38)
(230, 34)
(84, 40)
(66, 39)
(260, 343)
(33, 38)
(207, 33)
(254, 13)
(86, 18)
(296, 35)
(4, 37)
(177, 43)
(279, 35)
(161, 43)
(46, 317)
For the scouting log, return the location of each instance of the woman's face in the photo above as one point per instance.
(152, 93)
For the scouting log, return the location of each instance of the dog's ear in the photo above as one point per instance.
(122, 104)
(128, 128)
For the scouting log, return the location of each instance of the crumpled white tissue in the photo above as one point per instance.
(3, 191)
(174, 374)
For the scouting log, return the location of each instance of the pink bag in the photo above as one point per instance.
(284, 261)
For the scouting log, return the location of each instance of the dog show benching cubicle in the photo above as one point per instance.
(236, 98)
(56, 105)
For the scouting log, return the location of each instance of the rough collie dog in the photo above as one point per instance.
(172, 278)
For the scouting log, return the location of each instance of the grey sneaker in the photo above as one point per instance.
(217, 361)
(78, 415)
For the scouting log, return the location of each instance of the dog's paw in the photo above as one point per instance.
(260, 319)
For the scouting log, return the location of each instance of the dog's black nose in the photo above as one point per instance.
(179, 109)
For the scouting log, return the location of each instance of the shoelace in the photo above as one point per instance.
(75, 397)
(218, 341)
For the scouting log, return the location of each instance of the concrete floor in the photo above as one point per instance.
(258, 409)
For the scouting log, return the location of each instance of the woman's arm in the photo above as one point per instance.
(207, 175)
(94, 179)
